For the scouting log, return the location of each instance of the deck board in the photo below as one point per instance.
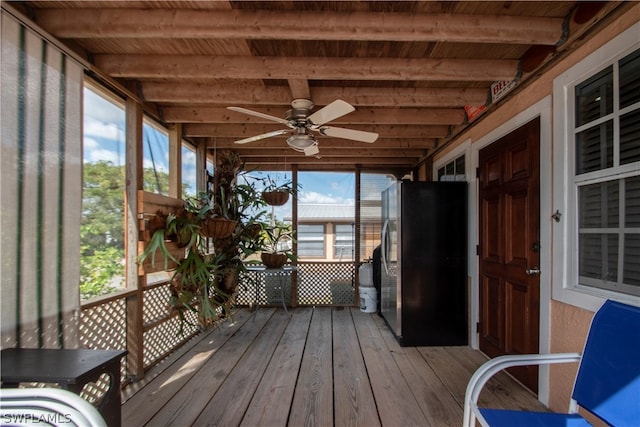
(317, 367)
(355, 404)
(272, 400)
(313, 399)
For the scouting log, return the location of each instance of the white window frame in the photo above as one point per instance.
(565, 233)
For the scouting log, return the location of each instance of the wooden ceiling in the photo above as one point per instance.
(408, 67)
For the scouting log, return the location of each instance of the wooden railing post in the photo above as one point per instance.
(134, 179)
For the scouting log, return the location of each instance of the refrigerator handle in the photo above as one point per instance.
(383, 244)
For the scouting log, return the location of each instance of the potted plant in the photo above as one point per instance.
(277, 194)
(206, 275)
(277, 245)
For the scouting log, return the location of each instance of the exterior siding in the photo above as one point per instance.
(566, 327)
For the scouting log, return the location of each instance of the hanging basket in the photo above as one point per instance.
(217, 228)
(273, 260)
(275, 198)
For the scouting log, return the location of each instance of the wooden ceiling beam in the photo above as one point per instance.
(310, 68)
(299, 25)
(343, 144)
(246, 130)
(424, 116)
(299, 88)
(333, 160)
(369, 151)
(245, 94)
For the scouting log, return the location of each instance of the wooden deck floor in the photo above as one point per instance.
(317, 367)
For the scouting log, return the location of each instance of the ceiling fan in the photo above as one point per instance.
(301, 124)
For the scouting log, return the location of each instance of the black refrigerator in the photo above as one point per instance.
(423, 289)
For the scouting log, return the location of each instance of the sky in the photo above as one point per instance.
(104, 139)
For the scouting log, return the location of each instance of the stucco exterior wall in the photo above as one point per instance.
(568, 325)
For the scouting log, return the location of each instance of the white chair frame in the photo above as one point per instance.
(493, 366)
(47, 406)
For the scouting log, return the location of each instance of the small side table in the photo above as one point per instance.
(280, 273)
(70, 368)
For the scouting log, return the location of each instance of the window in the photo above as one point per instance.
(311, 240)
(601, 138)
(103, 189)
(452, 171)
(343, 248)
(607, 139)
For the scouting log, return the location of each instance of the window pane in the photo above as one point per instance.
(156, 158)
(188, 171)
(632, 260)
(598, 256)
(343, 244)
(594, 148)
(460, 165)
(450, 169)
(599, 207)
(632, 202)
(440, 173)
(103, 188)
(310, 240)
(630, 137)
(594, 97)
(371, 187)
(630, 79)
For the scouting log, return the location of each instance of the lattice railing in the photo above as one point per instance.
(319, 283)
(103, 326)
(163, 329)
(326, 283)
(103, 322)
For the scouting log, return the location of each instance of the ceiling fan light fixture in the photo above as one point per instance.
(312, 150)
(301, 141)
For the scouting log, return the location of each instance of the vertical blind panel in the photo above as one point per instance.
(9, 153)
(630, 79)
(594, 148)
(630, 137)
(594, 97)
(632, 202)
(41, 165)
(631, 271)
(598, 257)
(599, 205)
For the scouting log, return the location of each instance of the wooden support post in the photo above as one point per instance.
(134, 182)
(201, 167)
(356, 240)
(294, 220)
(175, 160)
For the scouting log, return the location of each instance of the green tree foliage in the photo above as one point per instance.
(102, 228)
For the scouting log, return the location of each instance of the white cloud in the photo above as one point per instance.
(313, 197)
(103, 130)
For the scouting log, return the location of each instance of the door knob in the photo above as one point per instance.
(532, 271)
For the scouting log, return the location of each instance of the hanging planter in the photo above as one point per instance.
(273, 260)
(275, 198)
(217, 228)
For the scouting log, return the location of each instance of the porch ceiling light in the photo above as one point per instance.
(301, 140)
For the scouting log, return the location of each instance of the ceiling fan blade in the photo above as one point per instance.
(356, 135)
(337, 108)
(258, 114)
(262, 136)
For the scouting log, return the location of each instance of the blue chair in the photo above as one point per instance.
(607, 384)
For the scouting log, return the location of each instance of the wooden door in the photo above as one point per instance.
(509, 181)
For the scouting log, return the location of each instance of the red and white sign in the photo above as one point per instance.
(474, 111)
(500, 89)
